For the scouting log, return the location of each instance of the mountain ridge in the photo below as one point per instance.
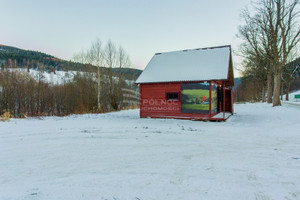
(14, 57)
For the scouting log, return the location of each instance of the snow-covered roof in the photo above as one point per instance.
(188, 65)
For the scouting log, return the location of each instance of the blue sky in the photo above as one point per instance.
(64, 27)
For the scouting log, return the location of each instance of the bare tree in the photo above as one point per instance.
(255, 52)
(283, 29)
(122, 62)
(110, 59)
(93, 56)
(289, 74)
(97, 54)
(106, 59)
(277, 25)
(255, 68)
(80, 57)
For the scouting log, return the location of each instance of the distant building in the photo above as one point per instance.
(189, 84)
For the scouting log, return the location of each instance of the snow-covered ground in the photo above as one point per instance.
(118, 156)
(292, 97)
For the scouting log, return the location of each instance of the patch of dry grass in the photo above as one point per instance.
(5, 116)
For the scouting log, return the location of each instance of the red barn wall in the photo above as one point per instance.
(153, 102)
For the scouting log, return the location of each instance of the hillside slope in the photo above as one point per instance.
(12, 57)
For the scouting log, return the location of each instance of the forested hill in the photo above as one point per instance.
(12, 57)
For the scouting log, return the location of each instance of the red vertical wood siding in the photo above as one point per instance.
(153, 102)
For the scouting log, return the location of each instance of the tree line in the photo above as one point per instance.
(107, 56)
(270, 37)
(96, 89)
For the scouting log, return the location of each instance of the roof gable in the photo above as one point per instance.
(188, 65)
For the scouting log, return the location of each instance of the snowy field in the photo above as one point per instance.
(292, 101)
(292, 97)
(117, 156)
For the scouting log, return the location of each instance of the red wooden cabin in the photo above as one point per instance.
(189, 84)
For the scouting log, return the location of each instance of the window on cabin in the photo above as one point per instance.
(172, 96)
